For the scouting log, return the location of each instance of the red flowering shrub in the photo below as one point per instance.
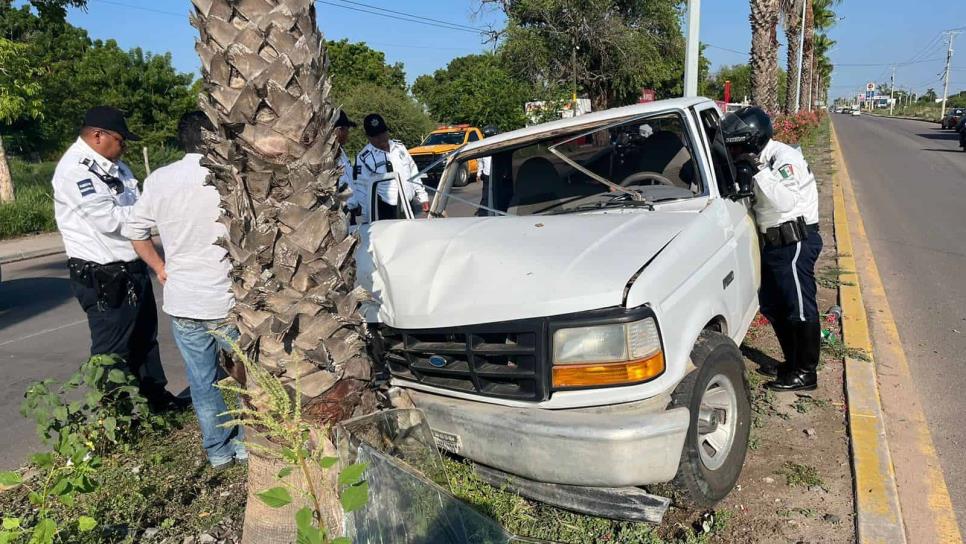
(792, 128)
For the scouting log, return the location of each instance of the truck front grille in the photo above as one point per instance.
(505, 360)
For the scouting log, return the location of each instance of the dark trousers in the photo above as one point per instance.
(485, 196)
(128, 330)
(787, 299)
(788, 280)
(388, 211)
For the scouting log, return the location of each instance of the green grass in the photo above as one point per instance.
(798, 475)
(530, 519)
(33, 209)
(161, 481)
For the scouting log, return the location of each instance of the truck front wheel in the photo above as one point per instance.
(462, 176)
(716, 394)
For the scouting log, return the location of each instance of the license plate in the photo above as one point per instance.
(447, 441)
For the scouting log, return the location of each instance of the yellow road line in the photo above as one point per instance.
(879, 514)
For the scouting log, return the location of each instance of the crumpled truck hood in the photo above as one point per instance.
(462, 271)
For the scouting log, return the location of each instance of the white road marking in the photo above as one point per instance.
(45, 331)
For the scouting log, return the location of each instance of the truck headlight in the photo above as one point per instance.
(611, 354)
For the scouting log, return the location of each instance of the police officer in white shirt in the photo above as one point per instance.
(382, 156)
(342, 126)
(197, 288)
(786, 210)
(93, 197)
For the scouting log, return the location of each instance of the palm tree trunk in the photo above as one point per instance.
(764, 54)
(273, 157)
(793, 33)
(808, 54)
(6, 180)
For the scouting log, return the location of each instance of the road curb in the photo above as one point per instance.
(25, 255)
(878, 514)
(931, 121)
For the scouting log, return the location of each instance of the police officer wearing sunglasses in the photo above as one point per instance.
(94, 194)
(786, 210)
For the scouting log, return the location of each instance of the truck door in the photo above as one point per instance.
(740, 225)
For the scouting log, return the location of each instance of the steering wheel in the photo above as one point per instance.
(653, 177)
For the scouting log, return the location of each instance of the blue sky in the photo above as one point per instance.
(881, 32)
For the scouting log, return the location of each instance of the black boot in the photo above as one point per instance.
(802, 374)
(786, 339)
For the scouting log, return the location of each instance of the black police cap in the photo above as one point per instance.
(108, 118)
(344, 121)
(374, 124)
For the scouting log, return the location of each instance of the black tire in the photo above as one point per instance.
(462, 176)
(716, 357)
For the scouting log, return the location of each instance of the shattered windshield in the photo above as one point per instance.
(444, 138)
(627, 164)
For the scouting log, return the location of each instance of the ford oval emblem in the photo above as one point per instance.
(438, 361)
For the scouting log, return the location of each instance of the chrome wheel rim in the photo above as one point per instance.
(717, 421)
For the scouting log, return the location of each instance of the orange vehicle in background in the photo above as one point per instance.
(441, 141)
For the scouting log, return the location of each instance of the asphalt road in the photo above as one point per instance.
(43, 334)
(910, 184)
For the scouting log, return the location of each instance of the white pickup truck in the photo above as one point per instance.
(581, 338)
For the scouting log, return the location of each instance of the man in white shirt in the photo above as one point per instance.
(94, 193)
(342, 126)
(194, 272)
(379, 158)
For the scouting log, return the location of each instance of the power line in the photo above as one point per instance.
(468, 27)
(419, 20)
(712, 46)
(142, 8)
(877, 64)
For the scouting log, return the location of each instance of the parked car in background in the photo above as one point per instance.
(856, 112)
(951, 118)
(581, 339)
(441, 141)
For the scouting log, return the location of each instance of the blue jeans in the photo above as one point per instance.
(199, 349)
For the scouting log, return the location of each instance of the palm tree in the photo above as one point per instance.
(273, 159)
(819, 18)
(807, 57)
(823, 67)
(791, 14)
(764, 53)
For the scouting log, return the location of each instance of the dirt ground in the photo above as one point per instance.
(796, 485)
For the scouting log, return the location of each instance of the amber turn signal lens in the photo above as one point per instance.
(597, 374)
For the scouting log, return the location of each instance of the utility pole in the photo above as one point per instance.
(801, 58)
(892, 90)
(693, 51)
(949, 57)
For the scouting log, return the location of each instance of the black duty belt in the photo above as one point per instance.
(789, 232)
(114, 282)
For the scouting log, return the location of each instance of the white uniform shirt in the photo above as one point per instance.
(785, 188)
(185, 211)
(90, 212)
(371, 164)
(345, 180)
(483, 166)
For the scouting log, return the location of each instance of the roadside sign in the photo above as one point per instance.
(870, 87)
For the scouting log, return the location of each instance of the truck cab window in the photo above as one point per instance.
(724, 169)
(651, 155)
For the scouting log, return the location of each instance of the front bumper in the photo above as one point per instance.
(625, 445)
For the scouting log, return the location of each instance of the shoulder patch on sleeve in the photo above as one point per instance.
(787, 171)
(86, 187)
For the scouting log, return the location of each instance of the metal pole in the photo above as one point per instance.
(147, 165)
(949, 57)
(892, 90)
(801, 57)
(691, 60)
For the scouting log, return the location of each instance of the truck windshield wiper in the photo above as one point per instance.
(619, 202)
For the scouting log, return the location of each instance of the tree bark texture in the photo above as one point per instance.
(808, 57)
(764, 54)
(793, 28)
(6, 180)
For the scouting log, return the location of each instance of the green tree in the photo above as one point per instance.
(407, 121)
(75, 73)
(475, 89)
(929, 96)
(19, 99)
(612, 48)
(352, 64)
